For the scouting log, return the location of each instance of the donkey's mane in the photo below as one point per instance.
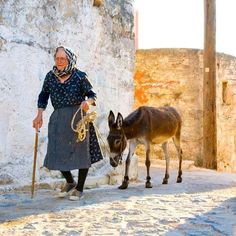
(133, 117)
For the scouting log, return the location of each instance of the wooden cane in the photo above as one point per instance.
(35, 159)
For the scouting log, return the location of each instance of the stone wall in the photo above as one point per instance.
(101, 36)
(226, 113)
(175, 77)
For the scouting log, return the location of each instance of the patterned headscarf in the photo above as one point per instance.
(71, 65)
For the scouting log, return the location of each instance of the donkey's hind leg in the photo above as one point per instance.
(176, 141)
(167, 158)
(148, 163)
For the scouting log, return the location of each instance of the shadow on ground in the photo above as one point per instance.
(15, 205)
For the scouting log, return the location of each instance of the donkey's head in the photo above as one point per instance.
(116, 139)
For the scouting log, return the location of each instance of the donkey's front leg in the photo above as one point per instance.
(148, 163)
(125, 182)
(165, 149)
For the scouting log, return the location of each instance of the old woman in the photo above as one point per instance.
(68, 89)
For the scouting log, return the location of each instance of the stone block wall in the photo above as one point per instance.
(175, 77)
(103, 39)
(226, 113)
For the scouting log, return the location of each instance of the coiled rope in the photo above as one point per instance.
(81, 126)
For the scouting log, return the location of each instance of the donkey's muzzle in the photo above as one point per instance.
(113, 163)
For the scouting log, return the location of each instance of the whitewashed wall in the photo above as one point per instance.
(29, 31)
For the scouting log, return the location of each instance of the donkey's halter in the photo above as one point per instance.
(119, 162)
(119, 155)
(81, 124)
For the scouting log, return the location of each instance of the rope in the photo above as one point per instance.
(100, 136)
(81, 127)
(81, 124)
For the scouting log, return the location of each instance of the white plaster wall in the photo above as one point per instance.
(29, 31)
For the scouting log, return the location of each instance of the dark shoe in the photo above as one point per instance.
(66, 189)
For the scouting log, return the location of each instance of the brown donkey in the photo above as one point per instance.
(146, 125)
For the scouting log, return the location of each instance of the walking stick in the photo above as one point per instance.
(35, 159)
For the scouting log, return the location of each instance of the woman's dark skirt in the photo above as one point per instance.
(64, 152)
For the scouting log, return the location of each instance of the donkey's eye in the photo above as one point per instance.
(117, 142)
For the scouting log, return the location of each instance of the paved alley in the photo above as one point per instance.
(204, 204)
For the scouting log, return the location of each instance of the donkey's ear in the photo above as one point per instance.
(111, 119)
(119, 120)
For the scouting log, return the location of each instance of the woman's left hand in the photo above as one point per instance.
(85, 106)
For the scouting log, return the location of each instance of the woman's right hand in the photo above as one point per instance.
(38, 122)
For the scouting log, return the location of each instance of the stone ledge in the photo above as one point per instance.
(91, 182)
(105, 176)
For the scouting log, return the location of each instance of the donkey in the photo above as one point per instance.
(146, 125)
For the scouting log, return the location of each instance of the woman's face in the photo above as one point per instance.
(61, 60)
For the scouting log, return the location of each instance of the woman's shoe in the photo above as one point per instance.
(76, 195)
(67, 189)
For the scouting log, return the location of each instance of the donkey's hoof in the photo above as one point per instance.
(165, 181)
(148, 185)
(124, 185)
(179, 180)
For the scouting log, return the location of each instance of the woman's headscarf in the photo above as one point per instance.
(71, 62)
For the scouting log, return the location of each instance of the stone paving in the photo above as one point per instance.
(204, 204)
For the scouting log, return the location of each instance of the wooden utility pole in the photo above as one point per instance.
(209, 87)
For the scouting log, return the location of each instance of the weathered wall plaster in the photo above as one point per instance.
(29, 31)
